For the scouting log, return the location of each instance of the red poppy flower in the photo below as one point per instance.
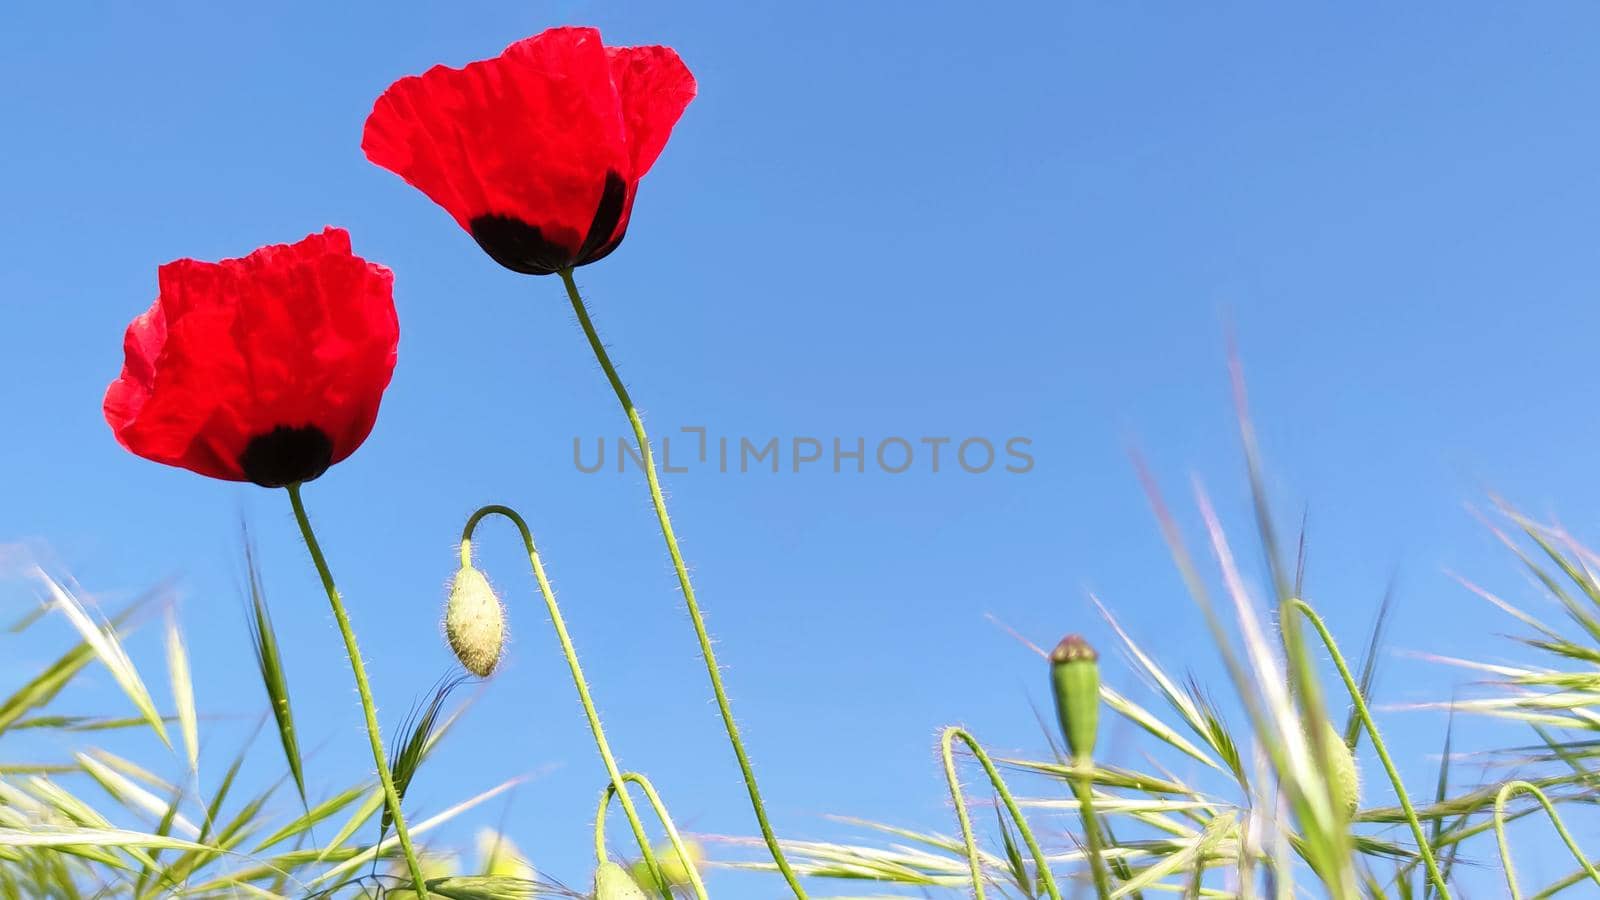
(267, 368)
(538, 152)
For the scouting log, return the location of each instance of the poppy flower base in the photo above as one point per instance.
(287, 455)
(532, 250)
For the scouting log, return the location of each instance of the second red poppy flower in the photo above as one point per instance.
(538, 152)
(268, 368)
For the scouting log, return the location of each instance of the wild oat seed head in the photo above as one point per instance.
(673, 867)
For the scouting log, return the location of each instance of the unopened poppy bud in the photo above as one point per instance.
(674, 868)
(474, 622)
(611, 882)
(1075, 681)
(1345, 782)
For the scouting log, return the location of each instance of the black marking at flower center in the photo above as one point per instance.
(525, 248)
(287, 455)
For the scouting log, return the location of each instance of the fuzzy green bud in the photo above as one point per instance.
(611, 882)
(475, 622)
(1345, 780)
(1075, 682)
(673, 867)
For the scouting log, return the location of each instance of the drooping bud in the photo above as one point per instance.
(611, 882)
(1075, 681)
(475, 622)
(674, 868)
(1345, 781)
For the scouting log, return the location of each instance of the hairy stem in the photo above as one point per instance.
(571, 654)
(661, 813)
(391, 796)
(706, 652)
(1500, 799)
(1083, 787)
(974, 865)
(1424, 848)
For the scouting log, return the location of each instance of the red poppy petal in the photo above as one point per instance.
(141, 344)
(529, 135)
(654, 87)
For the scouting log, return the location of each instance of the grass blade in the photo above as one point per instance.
(103, 641)
(419, 729)
(269, 662)
(183, 692)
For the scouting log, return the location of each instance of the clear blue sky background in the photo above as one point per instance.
(1031, 219)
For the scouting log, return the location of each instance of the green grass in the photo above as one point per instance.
(1256, 814)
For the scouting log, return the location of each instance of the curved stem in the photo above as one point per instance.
(391, 796)
(661, 813)
(1424, 848)
(946, 739)
(1500, 832)
(660, 503)
(572, 663)
(1083, 787)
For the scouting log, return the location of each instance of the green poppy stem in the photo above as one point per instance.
(391, 796)
(1083, 787)
(706, 651)
(1424, 848)
(661, 813)
(571, 654)
(974, 865)
(1500, 799)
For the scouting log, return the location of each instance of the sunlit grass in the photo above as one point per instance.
(1269, 806)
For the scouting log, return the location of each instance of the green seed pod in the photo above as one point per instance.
(474, 622)
(611, 882)
(1345, 781)
(673, 867)
(1075, 681)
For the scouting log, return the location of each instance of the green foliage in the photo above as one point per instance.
(419, 734)
(160, 837)
(269, 662)
(1248, 791)
(1272, 811)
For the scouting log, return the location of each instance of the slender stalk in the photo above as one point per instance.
(946, 740)
(660, 808)
(706, 651)
(571, 653)
(1083, 787)
(1500, 833)
(391, 796)
(1424, 848)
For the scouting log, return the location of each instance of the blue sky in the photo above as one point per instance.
(1034, 220)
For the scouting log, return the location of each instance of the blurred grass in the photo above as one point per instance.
(154, 836)
(1229, 792)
